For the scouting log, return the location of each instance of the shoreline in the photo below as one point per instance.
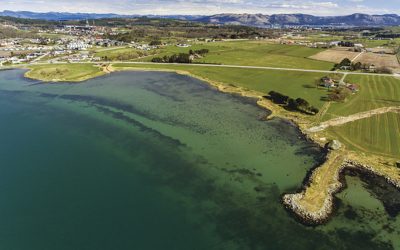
(302, 203)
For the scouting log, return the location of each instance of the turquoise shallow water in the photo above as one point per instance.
(145, 160)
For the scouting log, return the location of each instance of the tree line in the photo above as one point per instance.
(298, 104)
(181, 57)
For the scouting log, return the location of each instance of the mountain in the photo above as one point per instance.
(302, 19)
(56, 16)
(258, 20)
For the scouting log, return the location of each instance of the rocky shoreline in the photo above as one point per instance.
(324, 214)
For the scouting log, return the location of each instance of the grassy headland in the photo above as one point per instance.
(64, 72)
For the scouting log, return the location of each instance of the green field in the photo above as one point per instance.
(120, 53)
(291, 83)
(255, 53)
(64, 72)
(375, 92)
(379, 134)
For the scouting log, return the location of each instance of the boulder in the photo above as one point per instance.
(334, 145)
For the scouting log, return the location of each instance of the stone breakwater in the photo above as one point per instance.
(310, 211)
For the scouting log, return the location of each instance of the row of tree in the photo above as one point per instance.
(298, 104)
(181, 57)
(347, 64)
(175, 58)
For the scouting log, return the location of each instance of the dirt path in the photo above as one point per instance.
(346, 119)
(355, 58)
(322, 112)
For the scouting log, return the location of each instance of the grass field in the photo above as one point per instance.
(257, 53)
(64, 72)
(379, 134)
(121, 53)
(294, 84)
(375, 92)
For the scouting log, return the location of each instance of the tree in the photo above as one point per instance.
(339, 94)
(278, 97)
(345, 62)
(155, 43)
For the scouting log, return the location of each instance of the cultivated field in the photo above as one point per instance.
(378, 134)
(380, 60)
(335, 55)
(256, 53)
(375, 92)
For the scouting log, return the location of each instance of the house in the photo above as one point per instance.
(78, 45)
(345, 67)
(327, 82)
(372, 67)
(353, 87)
(334, 43)
(183, 45)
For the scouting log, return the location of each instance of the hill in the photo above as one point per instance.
(257, 20)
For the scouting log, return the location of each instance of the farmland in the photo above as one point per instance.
(380, 60)
(121, 54)
(335, 55)
(257, 53)
(377, 134)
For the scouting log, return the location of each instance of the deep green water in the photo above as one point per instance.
(145, 160)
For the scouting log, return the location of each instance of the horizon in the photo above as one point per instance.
(206, 7)
(219, 13)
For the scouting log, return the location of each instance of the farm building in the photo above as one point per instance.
(327, 82)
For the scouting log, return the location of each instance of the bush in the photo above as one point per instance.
(383, 70)
(339, 94)
(175, 58)
(155, 43)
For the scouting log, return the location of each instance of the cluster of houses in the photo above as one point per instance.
(329, 83)
(144, 47)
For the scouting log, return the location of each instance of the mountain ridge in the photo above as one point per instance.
(259, 20)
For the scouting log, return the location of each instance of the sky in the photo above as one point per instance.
(207, 7)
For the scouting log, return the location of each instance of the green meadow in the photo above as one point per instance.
(378, 134)
(375, 92)
(256, 53)
(64, 72)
